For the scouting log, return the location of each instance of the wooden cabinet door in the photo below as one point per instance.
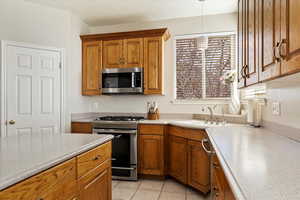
(153, 69)
(289, 47)
(178, 158)
(241, 43)
(151, 154)
(91, 68)
(134, 52)
(113, 54)
(96, 186)
(198, 167)
(269, 36)
(251, 39)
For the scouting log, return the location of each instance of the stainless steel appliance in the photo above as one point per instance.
(124, 143)
(122, 81)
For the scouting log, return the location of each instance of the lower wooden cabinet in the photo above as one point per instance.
(188, 162)
(198, 167)
(151, 155)
(96, 185)
(62, 182)
(220, 186)
(81, 127)
(177, 164)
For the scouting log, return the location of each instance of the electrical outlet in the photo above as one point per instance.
(276, 108)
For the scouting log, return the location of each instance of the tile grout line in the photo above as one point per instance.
(138, 187)
(161, 190)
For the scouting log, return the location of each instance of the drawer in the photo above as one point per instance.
(81, 127)
(38, 186)
(93, 158)
(150, 129)
(177, 131)
(192, 134)
(195, 134)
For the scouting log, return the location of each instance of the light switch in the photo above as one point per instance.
(276, 108)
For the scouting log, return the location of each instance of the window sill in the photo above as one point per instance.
(201, 102)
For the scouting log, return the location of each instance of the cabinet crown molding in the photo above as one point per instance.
(163, 32)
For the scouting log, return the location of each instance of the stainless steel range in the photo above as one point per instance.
(124, 144)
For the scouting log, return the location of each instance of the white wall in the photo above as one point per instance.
(27, 22)
(213, 23)
(286, 91)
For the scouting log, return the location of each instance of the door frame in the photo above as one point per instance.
(3, 93)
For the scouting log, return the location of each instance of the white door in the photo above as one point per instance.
(33, 89)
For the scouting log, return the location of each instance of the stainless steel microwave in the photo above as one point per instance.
(122, 81)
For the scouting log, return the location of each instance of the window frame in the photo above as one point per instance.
(216, 100)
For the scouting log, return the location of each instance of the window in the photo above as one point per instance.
(201, 60)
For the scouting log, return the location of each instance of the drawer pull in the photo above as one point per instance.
(97, 157)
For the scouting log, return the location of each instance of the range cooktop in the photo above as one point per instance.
(120, 118)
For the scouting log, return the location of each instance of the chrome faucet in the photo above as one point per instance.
(211, 114)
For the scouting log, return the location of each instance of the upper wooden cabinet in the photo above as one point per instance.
(268, 40)
(124, 50)
(123, 53)
(289, 45)
(113, 54)
(269, 29)
(92, 66)
(153, 68)
(133, 52)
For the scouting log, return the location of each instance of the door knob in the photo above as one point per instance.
(12, 122)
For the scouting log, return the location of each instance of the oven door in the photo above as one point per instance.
(124, 152)
(122, 80)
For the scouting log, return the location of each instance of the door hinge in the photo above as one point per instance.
(60, 65)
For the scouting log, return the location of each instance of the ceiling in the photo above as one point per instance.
(109, 12)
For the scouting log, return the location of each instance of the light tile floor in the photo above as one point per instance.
(154, 190)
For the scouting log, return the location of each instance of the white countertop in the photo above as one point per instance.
(26, 155)
(259, 164)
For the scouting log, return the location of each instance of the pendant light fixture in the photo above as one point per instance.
(202, 41)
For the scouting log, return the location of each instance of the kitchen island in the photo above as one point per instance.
(55, 166)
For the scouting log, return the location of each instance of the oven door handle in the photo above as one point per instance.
(114, 131)
(118, 136)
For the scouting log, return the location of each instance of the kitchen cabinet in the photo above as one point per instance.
(269, 46)
(133, 52)
(269, 35)
(220, 186)
(91, 68)
(151, 150)
(188, 162)
(113, 54)
(97, 184)
(143, 49)
(248, 42)
(177, 164)
(153, 67)
(241, 43)
(62, 182)
(198, 167)
(123, 53)
(289, 45)
(81, 127)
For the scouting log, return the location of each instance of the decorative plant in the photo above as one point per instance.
(228, 77)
